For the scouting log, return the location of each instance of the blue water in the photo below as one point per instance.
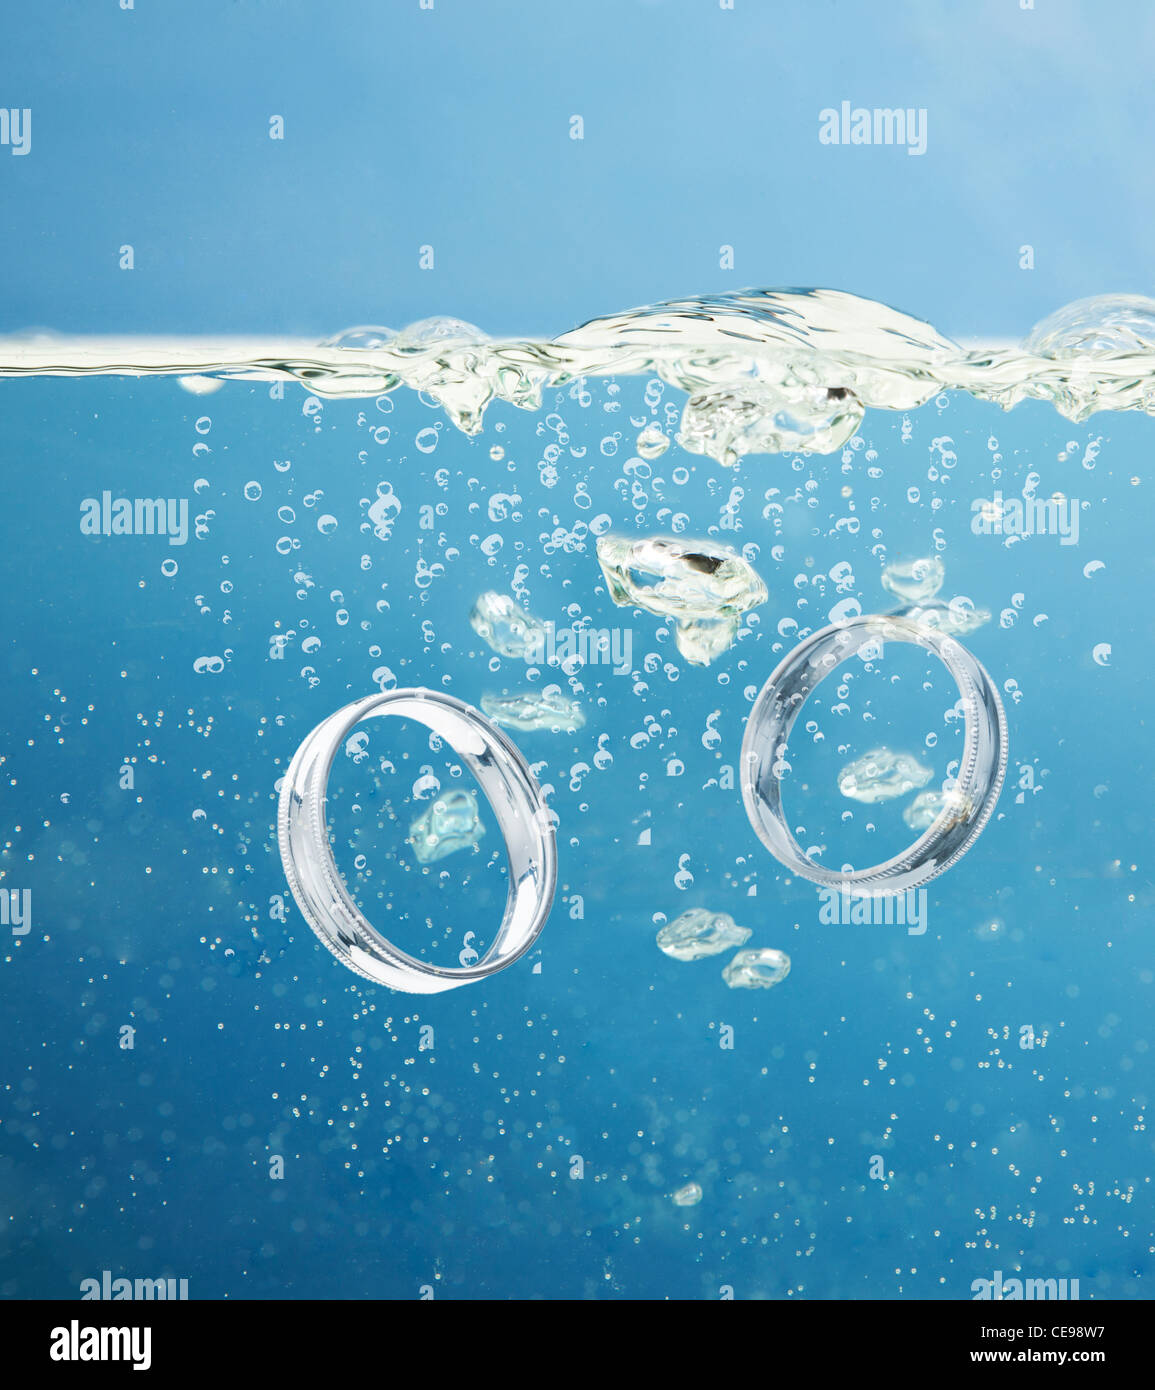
(449, 1167)
(139, 793)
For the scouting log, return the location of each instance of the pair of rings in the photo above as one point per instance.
(526, 823)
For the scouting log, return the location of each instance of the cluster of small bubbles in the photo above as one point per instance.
(383, 511)
(313, 410)
(547, 471)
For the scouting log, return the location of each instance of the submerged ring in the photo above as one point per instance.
(504, 776)
(981, 769)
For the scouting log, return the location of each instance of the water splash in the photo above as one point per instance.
(764, 370)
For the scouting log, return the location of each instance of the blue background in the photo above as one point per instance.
(449, 1168)
(450, 127)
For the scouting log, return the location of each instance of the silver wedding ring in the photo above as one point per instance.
(970, 802)
(522, 815)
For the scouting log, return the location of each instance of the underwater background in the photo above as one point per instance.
(903, 1114)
